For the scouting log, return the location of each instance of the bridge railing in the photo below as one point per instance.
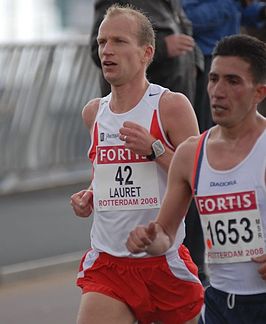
(43, 88)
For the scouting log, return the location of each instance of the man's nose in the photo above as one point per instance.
(107, 48)
(218, 89)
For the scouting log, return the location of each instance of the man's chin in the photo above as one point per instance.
(108, 78)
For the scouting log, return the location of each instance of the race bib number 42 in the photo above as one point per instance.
(232, 227)
(124, 180)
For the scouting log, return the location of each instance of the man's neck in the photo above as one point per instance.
(127, 96)
(252, 126)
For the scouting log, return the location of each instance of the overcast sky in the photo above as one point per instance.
(28, 20)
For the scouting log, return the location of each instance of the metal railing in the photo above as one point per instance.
(43, 88)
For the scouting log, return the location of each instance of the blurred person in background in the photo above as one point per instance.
(258, 31)
(212, 20)
(134, 131)
(177, 61)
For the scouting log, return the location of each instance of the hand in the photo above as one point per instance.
(82, 203)
(179, 44)
(262, 267)
(137, 138)
(141, 238)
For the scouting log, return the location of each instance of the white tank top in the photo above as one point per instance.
(232, 208)
(128, 189)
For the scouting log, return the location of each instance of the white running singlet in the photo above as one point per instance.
(232, 208)
(128, 188)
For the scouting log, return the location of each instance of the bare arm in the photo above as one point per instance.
(89, 113)
(158, 236)
(82, 201)
(179, 122)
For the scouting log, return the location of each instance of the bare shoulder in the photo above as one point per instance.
(187, 149)
(178, 117)
(89, 111)
(171, 100)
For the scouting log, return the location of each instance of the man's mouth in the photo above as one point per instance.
(218, 108)
(108, 63)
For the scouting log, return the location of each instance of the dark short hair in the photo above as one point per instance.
(250, 49)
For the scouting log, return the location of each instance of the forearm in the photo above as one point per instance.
(165, 159)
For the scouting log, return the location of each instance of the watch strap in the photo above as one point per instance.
(151, 156)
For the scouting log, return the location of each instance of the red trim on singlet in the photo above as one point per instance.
(155, 129)
(95, 140)
(197, 163)
(92, 152)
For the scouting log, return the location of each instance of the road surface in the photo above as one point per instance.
(50, 298)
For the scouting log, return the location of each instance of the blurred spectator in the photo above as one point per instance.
(259, 32)
(176, 56)
(253, 13)
(212, 20)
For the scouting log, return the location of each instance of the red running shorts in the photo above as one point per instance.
(154, 288)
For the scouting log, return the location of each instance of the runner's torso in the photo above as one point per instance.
(232, 208)
(128, 188)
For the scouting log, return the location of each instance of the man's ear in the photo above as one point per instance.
(148, 54)
(260, 93)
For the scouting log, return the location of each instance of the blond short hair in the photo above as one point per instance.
(145, 33)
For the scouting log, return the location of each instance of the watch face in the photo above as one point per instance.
(158, 148)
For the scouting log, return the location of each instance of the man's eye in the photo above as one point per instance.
(233, 82)
(213, 79)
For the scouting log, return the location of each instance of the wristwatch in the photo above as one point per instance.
(157, 150)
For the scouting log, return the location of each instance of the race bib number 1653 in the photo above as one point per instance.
(232, 227)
